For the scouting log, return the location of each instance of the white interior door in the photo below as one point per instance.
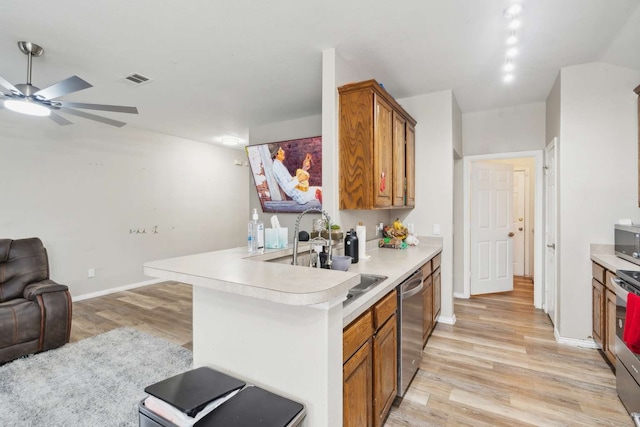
(550, 230)
(491, 221)
(519, 220)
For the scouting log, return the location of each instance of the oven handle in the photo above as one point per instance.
(620, 291)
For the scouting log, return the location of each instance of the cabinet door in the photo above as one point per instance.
(382, 153)
(437, 301)
(610, 331)
(385, 369)
(410, 165)
(597, 310)
(427, 321)
(399, 124)
(357, 388)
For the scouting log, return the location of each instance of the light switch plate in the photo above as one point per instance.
(436, 229)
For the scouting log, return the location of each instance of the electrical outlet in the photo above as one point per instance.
(237, 162)
(91, 272)
(436, 229)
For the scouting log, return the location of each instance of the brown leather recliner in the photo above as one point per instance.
(35, 312)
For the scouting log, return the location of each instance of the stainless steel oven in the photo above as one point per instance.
(410, 322)
(628, 366)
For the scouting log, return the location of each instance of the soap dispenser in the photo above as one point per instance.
(351, 245)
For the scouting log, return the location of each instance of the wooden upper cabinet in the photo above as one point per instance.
(382, 152)
(410, 153)
(399, 127)
(374, 164)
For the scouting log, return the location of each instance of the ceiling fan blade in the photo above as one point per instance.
(63, 87)
(102, 107)
(89, 116)
(5, 84)
(59, 119)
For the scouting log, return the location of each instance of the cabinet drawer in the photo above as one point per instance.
(356, 334)
(608, 275)
(427, 269)
(384, 309)
(436, 261)
(597, 271)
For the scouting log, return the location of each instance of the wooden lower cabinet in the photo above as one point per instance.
(427, 320)
(357, 388)
(370, 369)
(431, 295)
(610, 324)
(603, 311)
(437, 292)
(597, 312)
(385, 369)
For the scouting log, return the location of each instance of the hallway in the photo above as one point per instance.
(500, 365)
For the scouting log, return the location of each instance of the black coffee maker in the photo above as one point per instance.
(351, 245)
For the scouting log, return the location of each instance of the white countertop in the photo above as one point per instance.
(235, 271)
(606, 257)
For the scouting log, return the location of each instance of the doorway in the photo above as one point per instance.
(532, 241)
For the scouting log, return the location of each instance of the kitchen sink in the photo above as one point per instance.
(367, 282)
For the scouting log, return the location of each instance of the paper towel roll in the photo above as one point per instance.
(361, 232)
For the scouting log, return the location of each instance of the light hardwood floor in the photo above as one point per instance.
(499, 365)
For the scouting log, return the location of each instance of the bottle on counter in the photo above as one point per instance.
(255, 234)
(351, 245)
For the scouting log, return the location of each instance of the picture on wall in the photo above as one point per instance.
(288, 174)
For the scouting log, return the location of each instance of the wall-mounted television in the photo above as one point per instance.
(288, 174)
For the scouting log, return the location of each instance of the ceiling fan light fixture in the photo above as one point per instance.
(25, 106)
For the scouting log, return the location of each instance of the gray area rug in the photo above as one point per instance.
(97, 381)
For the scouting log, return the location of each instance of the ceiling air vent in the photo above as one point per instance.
(136, 79)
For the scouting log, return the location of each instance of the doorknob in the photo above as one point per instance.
(552, 246)
(520, 229)
(520, 219)
(511, 234)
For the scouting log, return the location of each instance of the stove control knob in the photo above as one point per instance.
(635, 254)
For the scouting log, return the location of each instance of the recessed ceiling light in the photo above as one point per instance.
(508, 67)
(512, 39)
(512, 52)
(508, 78)
(514, 24)
(513, 10)
(230, 140)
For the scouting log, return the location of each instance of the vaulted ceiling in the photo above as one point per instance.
(219, 68)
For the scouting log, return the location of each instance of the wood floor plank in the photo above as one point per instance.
(500, 365)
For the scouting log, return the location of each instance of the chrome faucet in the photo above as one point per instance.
(297, 230)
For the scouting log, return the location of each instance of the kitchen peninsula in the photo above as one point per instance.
(280, 326)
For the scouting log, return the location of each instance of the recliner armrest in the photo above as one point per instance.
(45, 286)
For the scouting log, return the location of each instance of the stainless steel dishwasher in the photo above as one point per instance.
(410, 322)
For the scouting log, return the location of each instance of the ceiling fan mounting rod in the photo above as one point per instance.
(31, 50)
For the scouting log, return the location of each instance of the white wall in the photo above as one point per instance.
(336, 72)
(434, 177)
(598, 167)
(504, 130)
(84, 188)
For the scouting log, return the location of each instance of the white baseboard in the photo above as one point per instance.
(448, 320)
(573, 342)
(460, 295)
(114, 290)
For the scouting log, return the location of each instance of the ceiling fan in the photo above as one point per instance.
(28, 99)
